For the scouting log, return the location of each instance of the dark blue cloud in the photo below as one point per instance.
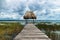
(20, 9)
(47, 12)
(35, 7)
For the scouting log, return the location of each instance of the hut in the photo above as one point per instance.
(29, 15)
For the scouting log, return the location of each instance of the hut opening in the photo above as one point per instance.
(29, 15)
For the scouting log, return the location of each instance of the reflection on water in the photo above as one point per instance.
(54, 35)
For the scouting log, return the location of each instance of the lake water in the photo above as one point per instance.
(35, 21)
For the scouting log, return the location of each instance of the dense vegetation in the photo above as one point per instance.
(8, 30)
(49, 29)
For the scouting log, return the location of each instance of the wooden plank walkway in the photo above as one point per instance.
(31, 32)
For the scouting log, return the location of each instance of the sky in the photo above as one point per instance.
(43, 9)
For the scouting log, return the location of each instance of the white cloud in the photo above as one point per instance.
(10, 15)
(39, 7)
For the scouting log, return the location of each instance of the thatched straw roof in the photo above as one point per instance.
(29, 15)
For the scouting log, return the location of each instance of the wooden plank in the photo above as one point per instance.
(31, 32)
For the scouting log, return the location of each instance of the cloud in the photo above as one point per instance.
(44, 9)
(5, 15)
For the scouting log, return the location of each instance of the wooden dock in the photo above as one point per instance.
(31, 32)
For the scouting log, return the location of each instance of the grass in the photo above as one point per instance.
(48, 29)
(8, 30)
